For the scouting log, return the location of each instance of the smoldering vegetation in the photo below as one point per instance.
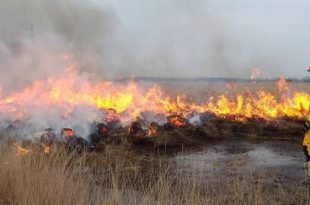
(174, 133)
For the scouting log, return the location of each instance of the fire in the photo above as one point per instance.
(67, 132)
(46, 149)
(119, 102)
(177, 121)
(128, 101)
(153, 128)
(20, 150)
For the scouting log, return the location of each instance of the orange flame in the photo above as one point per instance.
(46, 149)
(128, 100)
(153, 128)
(68, 132)
(177, 121)
(20, 150)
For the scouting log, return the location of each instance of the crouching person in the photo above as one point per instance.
(306, 145)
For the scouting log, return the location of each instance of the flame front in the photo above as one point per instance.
(21, 150)
(129, 100)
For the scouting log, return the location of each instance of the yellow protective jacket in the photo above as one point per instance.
(306, 141)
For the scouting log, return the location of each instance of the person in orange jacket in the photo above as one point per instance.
(306, 144)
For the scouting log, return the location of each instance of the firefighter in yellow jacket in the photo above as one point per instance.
(306, 144)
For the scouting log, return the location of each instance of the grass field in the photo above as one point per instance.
(122, 175)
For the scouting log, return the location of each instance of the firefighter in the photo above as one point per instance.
(306, 144)
(306, 141)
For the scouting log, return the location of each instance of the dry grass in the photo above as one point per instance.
(121, 175)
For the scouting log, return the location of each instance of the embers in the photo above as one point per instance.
(174, 121)
(67, 133)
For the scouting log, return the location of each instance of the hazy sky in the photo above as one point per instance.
(161, 38)
(211, 37)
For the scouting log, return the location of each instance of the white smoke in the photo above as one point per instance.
(35, 34)
(175, 38)
(204, 38)
(152, 38)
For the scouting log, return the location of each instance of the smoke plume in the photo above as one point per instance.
(38, 37)
(161, 38)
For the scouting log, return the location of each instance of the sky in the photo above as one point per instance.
(212, 37)
(155, 38)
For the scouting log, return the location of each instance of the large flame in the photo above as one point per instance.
(69, 91)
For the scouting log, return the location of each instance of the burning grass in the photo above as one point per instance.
(123, 175)
(127, 136)
(68, 93)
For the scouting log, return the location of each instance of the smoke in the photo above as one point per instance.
(36, 36)
(180, 38)
(40, 39)
(174, 38)
(170, 38)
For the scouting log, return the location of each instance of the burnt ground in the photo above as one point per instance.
(221, 147)
(213, 129)
(216, 130)
(219, 129)
(270, 149)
